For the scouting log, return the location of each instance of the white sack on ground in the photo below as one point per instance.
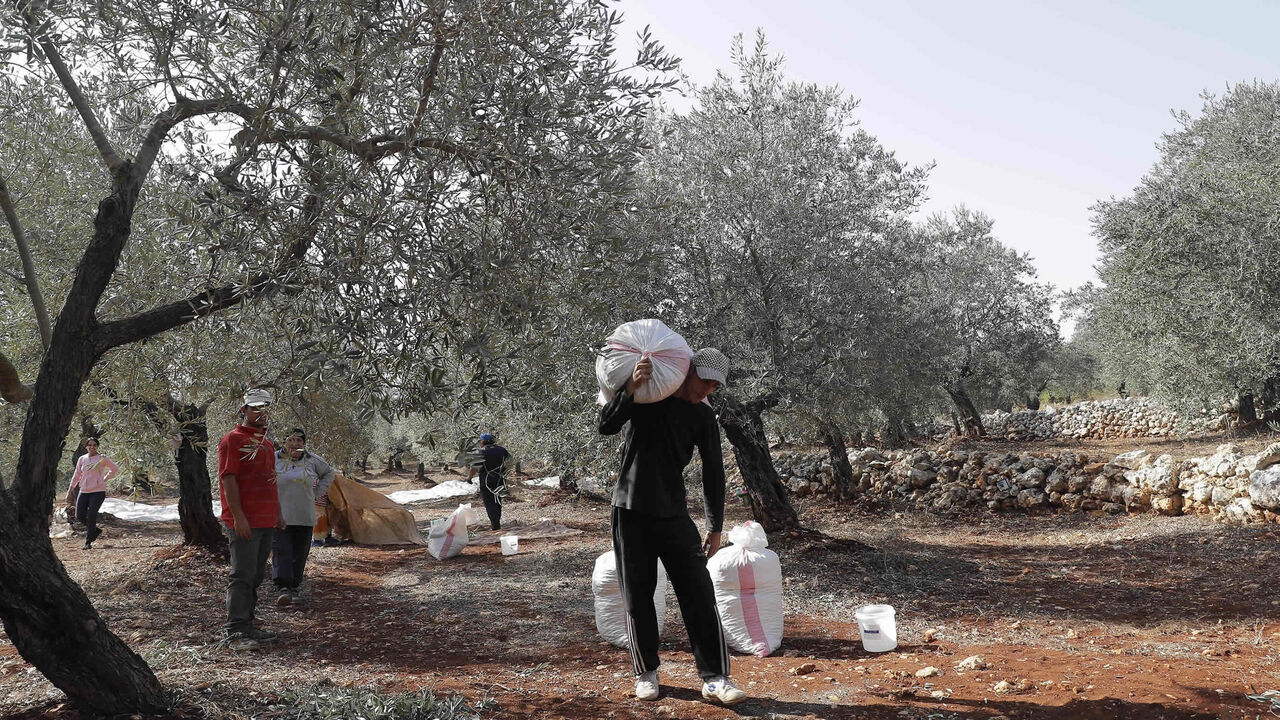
(748, 582)
(611, 614)
(449, 535)
(628, 344)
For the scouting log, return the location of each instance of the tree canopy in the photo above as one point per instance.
(1187, 297)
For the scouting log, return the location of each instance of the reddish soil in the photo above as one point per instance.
(1079, 617)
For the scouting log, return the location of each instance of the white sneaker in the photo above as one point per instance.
(647, 686)
(720, 688)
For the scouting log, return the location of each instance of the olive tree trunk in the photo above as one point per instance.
(1247, 412)
(46, 615)
(968, 412)
(195, 500)
(744, 427)
(838, 452)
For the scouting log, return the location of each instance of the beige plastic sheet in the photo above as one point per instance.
(369, 517)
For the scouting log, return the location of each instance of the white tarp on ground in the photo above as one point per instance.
(140, 512)
(446, 489)
(550, 482)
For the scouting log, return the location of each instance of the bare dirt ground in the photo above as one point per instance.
(1078, 616)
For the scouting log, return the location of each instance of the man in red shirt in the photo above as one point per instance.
(251, 511)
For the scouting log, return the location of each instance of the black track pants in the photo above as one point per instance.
(639, 541)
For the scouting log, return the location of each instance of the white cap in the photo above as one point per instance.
(257, 397)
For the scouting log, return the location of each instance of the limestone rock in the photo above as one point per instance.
(1167, 505)
(1056, 482)
(1268, 457)
(1241, 511)
(1031, 498)
(1264, 488)
(1133, 460)
(921, 478)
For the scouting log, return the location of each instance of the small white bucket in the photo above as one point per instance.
(878, 627)
(510, 544)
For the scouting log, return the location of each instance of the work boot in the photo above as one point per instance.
(241, 642)
(260, 635)
(285, 598)
(647, 686)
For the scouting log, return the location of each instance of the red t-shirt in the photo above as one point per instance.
(247, 454)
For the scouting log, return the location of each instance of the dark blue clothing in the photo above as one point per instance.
(493, 458)
(490, 465)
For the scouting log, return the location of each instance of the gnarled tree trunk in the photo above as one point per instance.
(1246, 411)
(1270, 397)
(841, 470)
(195, 501)
(12, 388)
(744, 426)
(47, 616)
(967, 410)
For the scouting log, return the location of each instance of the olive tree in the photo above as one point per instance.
(766, 196)
(989, 323)
(282, 117)
(1188, 289)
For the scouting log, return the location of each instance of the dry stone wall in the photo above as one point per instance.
(1228, 485)
(1118, 418)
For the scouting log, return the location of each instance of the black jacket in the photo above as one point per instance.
(659, 443)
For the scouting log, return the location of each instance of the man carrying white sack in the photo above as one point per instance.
(651, 519)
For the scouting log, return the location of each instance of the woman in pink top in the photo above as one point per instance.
(91, 476)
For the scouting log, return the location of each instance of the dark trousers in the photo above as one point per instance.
(289, 550)
(489, 484)
(639, 541)
(87, 506)
(248, 565)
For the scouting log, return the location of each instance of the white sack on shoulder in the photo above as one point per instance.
(611, 614)
(747, 578)
(628, 344)
(449, 535)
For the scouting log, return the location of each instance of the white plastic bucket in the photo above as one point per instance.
(878, 627)
(510, 544)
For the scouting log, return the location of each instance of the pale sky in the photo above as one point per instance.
(1033, 110)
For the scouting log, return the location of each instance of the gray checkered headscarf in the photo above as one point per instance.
(711, 364)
